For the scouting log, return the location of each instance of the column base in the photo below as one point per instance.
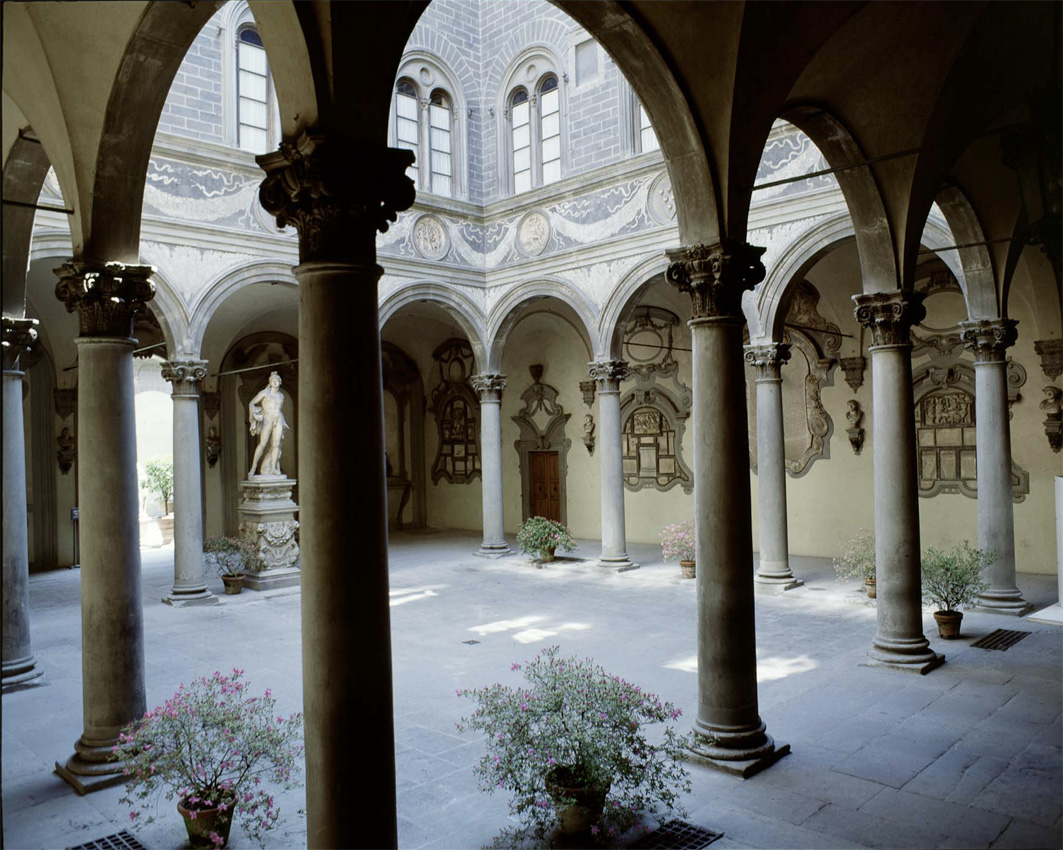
(1002, 602)
(913, 657)
(493, 550)
(620, 565)
(273, 579)
(738, 762)
(766, 584)
(22, 674)
(90, 769)
(182, 600)
(1053, 615)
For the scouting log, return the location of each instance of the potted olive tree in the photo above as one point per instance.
(953, 578)
(570, 747)
(857, 559)
(159, 481)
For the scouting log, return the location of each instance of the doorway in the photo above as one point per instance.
(545, 484)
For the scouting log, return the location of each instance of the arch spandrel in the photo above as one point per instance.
(468, 317)
(622, 302)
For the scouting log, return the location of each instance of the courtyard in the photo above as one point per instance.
(966, 756)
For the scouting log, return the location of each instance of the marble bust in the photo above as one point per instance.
(266, 421)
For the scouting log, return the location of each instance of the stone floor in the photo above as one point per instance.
(967, 756)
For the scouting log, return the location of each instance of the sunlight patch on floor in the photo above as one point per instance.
(506, 625)
(768, 669)
(533, 635)
(411, 594)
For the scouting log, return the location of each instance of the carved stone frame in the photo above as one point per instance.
(551, 438)
(664, 402)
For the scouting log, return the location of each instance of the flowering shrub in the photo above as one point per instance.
(677, 541)
(539, 533)
(211, 744)
(954, 578)
(232, 556)
(575, 726)
(857, 559)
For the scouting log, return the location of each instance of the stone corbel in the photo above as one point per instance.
(66, 402)
(854, 417)
(587, 388)
(1053, 408)
(211, 403)
(854, 371)
(1051, 353)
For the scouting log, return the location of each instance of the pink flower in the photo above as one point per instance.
(192, 814)
(595, 830)
(132, 816)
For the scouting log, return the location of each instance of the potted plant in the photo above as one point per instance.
(233, 558)
(951, 579)
(857, 559)
(677, 544)
(571, 749)
(211, 744)
(541, 536)
(159, 480)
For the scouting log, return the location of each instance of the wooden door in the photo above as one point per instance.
(545, 484)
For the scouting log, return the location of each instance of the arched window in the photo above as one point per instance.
(520, 119)
(407, 125)
(534, 149)
(252, 92)
(439, 114)
(646, 136)
(550, 129)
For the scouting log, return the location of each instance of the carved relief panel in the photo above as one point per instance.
(457, 412)
(542, 422)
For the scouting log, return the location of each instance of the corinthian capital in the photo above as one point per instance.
(767, 359)
(609, 374)
(20, 335)
(715, 276)
(988, 338)
(488, 386)
(889, 315)
(336, 193)
(185, 375)
(107, 296)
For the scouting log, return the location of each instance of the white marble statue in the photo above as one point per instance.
(266, 418)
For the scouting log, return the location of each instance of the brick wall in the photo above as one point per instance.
(194, 105)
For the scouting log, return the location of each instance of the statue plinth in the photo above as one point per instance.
(267, 521)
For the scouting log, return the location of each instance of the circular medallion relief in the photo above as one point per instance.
(533, 233)
(531, 71)
(430, 238)
(661, 201)
(426, 75)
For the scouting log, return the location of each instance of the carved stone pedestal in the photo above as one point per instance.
(267, 522)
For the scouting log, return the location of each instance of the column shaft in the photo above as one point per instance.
(729, 732)
(490, 389)
(347, 691)
(609, 374)
(899, 641)
(189, 585)
(19, 664)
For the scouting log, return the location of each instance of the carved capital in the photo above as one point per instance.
(767, 360)
(336, 193)
(989, 338)
(185, 375)
(107, 297)
(19, 337)
(1051, 353)
(889, 315)
(488, 386)
(609, 373)
(715, 276)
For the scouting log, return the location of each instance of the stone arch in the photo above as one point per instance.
(257, 271)
(762, 306)
(24, 171)
(465, 313)
(874, 239)
(507, 312)
(169, 310)
(980, 291)
(50, 243)
(622, 301)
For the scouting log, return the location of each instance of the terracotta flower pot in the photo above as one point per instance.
(200, 823)
(233, 584)
(688, 568)
(583, 809)
(547, 555)
(948, 624)
(869, 583)
(166, 529)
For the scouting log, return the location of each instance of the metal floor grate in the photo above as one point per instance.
(1000, 639)
(677, 835)
(119, 841)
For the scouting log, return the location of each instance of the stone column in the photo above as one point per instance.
(19, 665)
(338, 193)
(899, 641)
(989, 339)
(728, 731)
(106, 298)
(490, 387)
(773, 570)
(189, 584)
(608, 374)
